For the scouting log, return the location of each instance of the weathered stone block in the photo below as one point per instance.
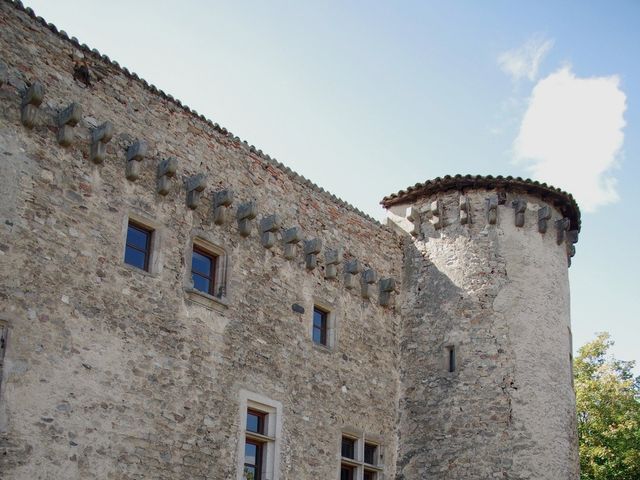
(100, 136)
(195, 185)
(167, 169)
(519, 207)
(544, 215)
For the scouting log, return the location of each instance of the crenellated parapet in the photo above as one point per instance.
(475, 204)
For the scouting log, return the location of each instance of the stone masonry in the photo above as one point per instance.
(449, 337)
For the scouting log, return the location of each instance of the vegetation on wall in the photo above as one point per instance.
(608, 404)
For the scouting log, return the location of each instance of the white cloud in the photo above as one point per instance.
(572, 133)
(525, 61)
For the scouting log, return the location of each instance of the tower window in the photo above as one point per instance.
(320, 326)
(138, 245)
(451, 358)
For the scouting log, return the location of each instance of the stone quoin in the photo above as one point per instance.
(174, 303)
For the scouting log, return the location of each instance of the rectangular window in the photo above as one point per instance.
(361, 457)
(203, 270)
(138, 246)
(320, 318)
(259, 443)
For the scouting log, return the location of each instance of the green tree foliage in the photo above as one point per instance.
(608, 402)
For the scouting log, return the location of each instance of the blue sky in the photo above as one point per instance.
(366, 98)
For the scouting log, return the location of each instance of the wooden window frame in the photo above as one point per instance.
(324, 326)
(214, 267)
(148, 244)
(262, 420)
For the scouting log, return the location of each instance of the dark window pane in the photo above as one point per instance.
(370, 453)
(135, 258)
(452, 359)
(369, 475)
(201, 263)
(201, 283)
(348, 447)
(137, 237)
(346, 473)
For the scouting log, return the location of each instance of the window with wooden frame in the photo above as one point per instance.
(360, 458)
(259, 438)
(258, 444)
(320, 326)
(203, 270)
(137, 251)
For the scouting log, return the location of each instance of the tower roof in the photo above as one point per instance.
(560, 199)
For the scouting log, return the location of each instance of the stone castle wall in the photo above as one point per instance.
(111, 372)
(493, 287)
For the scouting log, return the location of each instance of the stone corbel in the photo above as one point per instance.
(245, 214)
(519, 207)
(195, 186)
(31, 100)
(434, 214)
(492, 210)
(464, 210)
(311, 250)
(369, 278)
(67, 119)
(544, 215)
(572, 239)
(99, 139)
(562, 227)
(332, 258)
(269, 225)
(387, 287)
(351, 269)
(222, 200)
(413, 215)
(135, 154)
(167, 169)
(291, 237)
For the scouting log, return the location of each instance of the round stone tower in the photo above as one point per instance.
(485, 354)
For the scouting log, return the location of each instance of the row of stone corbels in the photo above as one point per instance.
(434, 211)
(269, 226)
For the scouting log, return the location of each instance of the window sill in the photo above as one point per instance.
(322, 348)
(206, 300)
(140, 271)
